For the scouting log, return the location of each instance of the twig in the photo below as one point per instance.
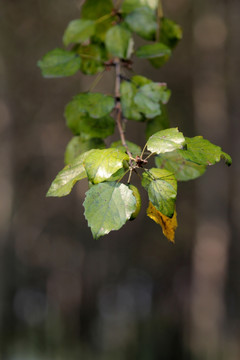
(118, 106)
(159, 16)
(96, 80)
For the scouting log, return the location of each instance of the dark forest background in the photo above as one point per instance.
(132, 294)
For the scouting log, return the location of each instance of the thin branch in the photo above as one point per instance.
(118, 106)
(159, 17)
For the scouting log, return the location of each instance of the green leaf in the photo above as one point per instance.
(170, 32)
(93, 57)
(182, 169)
(139, 80)
(94, 10)
(133, 148)
(59, 63)
(161, 186)
(107, 207)
(66, 178)
(148, 98)
(131, 5)
(95, 105)
(119, 42)
(157, 53)
(129, 108)
(143, 22)
(165, 141)
(77, 146)
(100, 165)
(90, 127)
(160, 122)
(190, 162)
(203, 152)
(78, 31)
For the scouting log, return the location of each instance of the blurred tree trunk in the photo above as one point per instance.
(210, 255)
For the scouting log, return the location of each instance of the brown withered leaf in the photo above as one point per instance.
(167, 224)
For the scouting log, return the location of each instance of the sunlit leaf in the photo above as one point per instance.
(119, 42)
(59, 63)
(161, 186)
(68, 176)
(107, 207)
(168, 225)
(165, 141)
(100, 165)
(78, 31)
(77, 146)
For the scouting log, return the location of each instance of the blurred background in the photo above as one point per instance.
(132, 294)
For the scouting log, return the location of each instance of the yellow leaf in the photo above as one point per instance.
(168, 225)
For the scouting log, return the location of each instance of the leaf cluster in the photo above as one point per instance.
(103, 39)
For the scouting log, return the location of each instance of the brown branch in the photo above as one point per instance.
(118, 106)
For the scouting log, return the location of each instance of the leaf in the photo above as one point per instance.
(88, 113)
(66, 178)
(190, 162)
(95, 105)
(203, 152)
(133, 148)
(77, 146)
(78, 31)
(100, 165)
(94, 10)
(131, 5)
(157, 53)
(182, 169)
(107, 207)
(148, 99)
(129, 108)
(170, 32)
(93, 57)
(161, 186)
(168, 225)
(143, 22)
(119, 42)
(90, 127)
(139, 80)
(160, 122)
(165, 141)
(59, 63)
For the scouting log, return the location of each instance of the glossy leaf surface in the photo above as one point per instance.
(165, 141)
(100, 165)
(107, 207)
(66, 178)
